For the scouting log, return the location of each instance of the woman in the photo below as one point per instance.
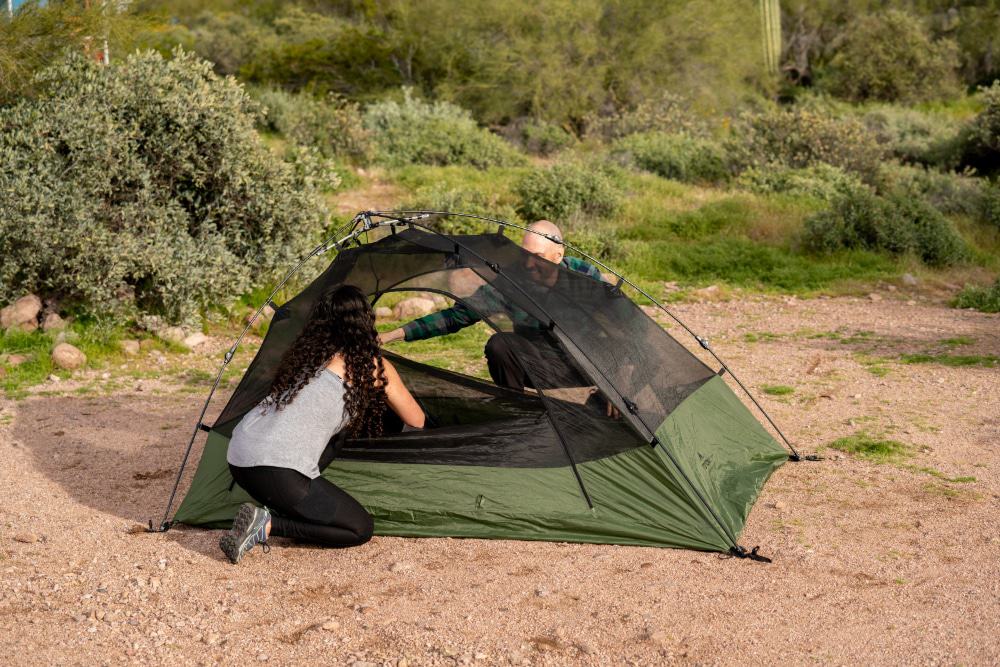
(333, 378)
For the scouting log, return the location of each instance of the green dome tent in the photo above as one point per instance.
(679, 463)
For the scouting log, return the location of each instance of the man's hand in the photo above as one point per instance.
(391, 336)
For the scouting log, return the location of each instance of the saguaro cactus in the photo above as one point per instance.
(770, 19)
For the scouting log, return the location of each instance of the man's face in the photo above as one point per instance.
(544, 270)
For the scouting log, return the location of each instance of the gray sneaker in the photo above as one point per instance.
(249, 529)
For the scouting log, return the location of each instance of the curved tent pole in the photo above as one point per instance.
(323, 247)
(703, 342)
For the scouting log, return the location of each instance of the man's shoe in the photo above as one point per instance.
(249, 529)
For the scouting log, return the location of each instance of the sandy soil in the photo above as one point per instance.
(879, 564)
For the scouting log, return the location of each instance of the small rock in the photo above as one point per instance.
(874, 297)
(780, 505)
(891, 288)
(172, 334)
(212, 638)
(195, 339)
(911, 302)
(53, 322)
(16, 359)
(383, 312)
(129, 347)
(856, 396)
(542, 592)
(68, 357)
(26, 538)
(22, 314)
(400, 566)
(402, 662)
(413, 307)
(909, 279)
(262, 657)
(54, 379)
(659, 637)
(331, 625)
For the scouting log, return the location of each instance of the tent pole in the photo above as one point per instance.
(318, 250)
(794, 456)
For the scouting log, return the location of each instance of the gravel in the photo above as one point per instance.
(875, 564)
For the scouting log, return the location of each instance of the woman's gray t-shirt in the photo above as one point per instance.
(295, 436)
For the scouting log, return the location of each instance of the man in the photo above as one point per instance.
(531, 346)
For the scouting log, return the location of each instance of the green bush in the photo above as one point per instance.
(545, 139)
(567, 190)
(991, 205)
(476, 201)
(896, 225)
(799, 139)
(918, 137)
(948, 192)
(675, 156)
(667, 113)
(438, 133)
(984, 299)
(982, 138)
(890, 56)
(333, 125)
(143, 187)
(820, 181)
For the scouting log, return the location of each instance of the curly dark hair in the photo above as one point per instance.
(342, 321)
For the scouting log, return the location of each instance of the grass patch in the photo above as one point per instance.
(461, 352)
(958, 341)
(965, 479)
(777, 389)
(867, 447)
(953, 360)
(760, 337)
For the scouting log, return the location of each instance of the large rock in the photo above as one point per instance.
(68, 357)
(13, 359)
(195, 339)
(414, 307)
(53, 322)
(22, 314)
(130, 347)
(383, 312)
(172, 334)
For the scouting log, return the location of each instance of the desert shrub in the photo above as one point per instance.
(489, 204)
(991, 205)
(801, 139)
(676, 156)
(982, 138)
(985, 299)
(914, 136)
(434, 133)
(566, 190)
(948, 192)
(897, 225)
(667, 113)
(332, 125)
(890, 56)
(820, 181)
(542, 138)
(143, 187)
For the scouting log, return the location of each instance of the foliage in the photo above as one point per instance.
(801, 139)
(332, 125)
(566, 190)
(897, 225)
(438, 133)
(984, 299)
(667, 113)
(39, 32)
(477, 201)
(545, 139)
(890, 56)
(946, 191)
(982, 138)
(915, 136)
(676, 156)
(820, 181)
(142, 186)
(991, 205)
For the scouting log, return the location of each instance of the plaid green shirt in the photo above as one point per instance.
(488, 302)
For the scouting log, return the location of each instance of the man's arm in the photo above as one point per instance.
(440, 323)
(588, 269)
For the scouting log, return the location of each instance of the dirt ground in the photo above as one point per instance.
(873, 563)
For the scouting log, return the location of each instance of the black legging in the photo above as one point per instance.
(312, 510)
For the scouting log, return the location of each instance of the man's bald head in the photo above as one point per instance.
(534, 241)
